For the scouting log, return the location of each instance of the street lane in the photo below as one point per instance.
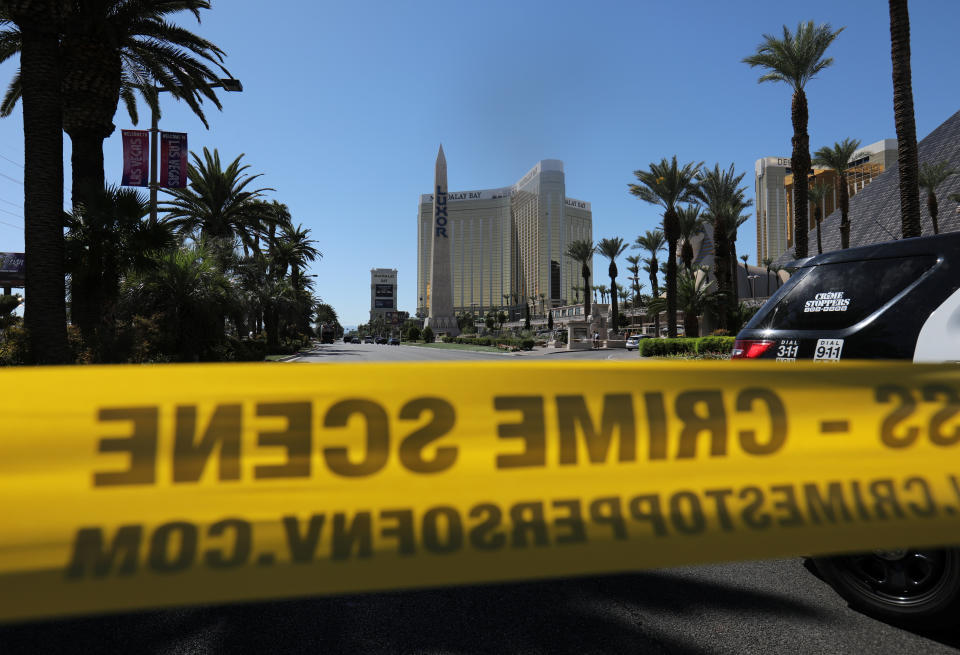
(754, 607)
(366, 352)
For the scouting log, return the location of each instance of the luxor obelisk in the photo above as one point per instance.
(441, 318)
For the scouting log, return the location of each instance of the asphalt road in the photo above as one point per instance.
(755, 607)
(750, 607)
(366, 352)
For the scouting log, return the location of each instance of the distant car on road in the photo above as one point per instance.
(368, 339)
(633, 342)
(393, 341)
(355, 340)
(895, 300)
(381, 340)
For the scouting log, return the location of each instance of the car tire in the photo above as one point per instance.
(915, 587)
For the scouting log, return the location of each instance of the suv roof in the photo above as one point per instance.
(888, 300)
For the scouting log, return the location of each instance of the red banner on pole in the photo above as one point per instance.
(136, 158)
(173, 160)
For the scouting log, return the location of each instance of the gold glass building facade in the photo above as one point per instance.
(774, 193)
(508, 244)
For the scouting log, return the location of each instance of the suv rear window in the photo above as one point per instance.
(836, 296)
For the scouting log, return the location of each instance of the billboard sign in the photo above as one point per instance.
(384, 291)
(12, 269)
(383, 303)
(173, 160)
(136, 158)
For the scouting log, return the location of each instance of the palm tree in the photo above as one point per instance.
(907, 158)
(653, 242)
(45, 313)
(838, 158)
(695, 295)
(603, 291)
(110, 51)
(634, 270)
(768, 264)
(189, 295)
(690, 225)
(725, 199)
(668, 185)
(796, 59)
(106, 240)
(931, 176)
(611, 249)
(576, 293)
(581, 251)
(215, 206)
(819, 193)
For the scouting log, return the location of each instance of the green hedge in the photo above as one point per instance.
(691, 346)
(715, 345)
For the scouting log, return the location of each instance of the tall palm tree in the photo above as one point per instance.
(45, 312)
(732, 227)
(215, 204)
(838, 158)
(634, 270)
(611, 249)
(653, 242)
(111, 50)
(581, 251)
(819, 193)
(907, 158)
(796, 59)
(931, 176)
(720, 190)
(690, 225)
(668, 185)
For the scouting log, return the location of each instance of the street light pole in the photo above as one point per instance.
(227, 84)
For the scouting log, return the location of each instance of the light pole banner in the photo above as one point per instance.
(136, 155)
(173, 160)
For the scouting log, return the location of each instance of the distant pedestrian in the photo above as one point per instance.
(596, 341)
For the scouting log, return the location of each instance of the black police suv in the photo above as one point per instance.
(894, 300)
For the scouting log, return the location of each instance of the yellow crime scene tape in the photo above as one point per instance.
(136, 487)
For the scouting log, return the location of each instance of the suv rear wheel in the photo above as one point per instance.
(911, 586)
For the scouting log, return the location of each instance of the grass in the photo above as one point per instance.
(455, 346)
(275, 358)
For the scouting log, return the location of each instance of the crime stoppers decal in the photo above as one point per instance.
(168, 485)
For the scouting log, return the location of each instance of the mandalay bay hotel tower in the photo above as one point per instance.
(508, 244)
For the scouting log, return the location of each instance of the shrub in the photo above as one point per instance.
(447, 339)
(527, 344)
(13, 347)
(428, 334)
(719, 344)
(720, 333)
(661, 347)
(413, 334)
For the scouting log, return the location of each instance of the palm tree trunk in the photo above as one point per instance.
(800, 165)
(585, 273)
(904, 119)
(86, 161)
(844, 213)
(45, 312)
(721, 267)
(670, 229)
(613, 301)
(819, 240)
(934, 211)
(655, 291)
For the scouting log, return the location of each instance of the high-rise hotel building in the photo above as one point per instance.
(508, 244)
(774, 193)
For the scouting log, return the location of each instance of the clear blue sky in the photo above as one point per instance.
(345, 103)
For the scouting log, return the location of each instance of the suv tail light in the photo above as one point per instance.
(750, 348)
